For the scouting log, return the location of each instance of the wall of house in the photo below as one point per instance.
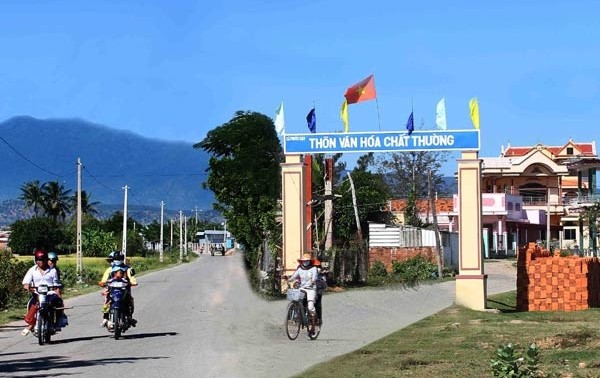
(548, 282)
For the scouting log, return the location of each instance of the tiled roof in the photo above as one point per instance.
(586, 149)
(442, 205)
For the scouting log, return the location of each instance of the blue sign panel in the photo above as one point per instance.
(392, 141)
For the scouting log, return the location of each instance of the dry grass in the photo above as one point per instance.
(458, 342)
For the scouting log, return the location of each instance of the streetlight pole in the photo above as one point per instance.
(160, 248)
(124, 244)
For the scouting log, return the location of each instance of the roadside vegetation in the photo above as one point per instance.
(13, 298)
(459, 342)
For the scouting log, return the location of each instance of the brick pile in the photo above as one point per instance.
(549, 282)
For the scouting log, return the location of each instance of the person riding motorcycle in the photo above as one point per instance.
(41, 274)
(308, 279)
(52, 261)
(117, 259)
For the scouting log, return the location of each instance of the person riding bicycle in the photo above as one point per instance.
(117, 258)
(41, 274)
(308, 279)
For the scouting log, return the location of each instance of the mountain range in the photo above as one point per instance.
(153, 170)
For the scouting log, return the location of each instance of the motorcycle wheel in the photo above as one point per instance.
(116, 320)
(42, 328)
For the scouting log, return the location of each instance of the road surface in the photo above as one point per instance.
(202, 320)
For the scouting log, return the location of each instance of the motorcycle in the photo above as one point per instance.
(119, 317)
(46, 323)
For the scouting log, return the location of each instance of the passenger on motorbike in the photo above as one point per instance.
(117, 259)
(41, 274)
(308, 278)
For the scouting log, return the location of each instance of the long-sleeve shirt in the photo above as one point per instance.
(36, 277)
(308, 277)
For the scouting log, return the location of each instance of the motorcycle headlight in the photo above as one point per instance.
(42, 289)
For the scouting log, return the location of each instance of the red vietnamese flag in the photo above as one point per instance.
(363, 91)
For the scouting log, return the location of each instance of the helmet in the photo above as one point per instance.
(118, 256)
(40, 255)
(316, 262)
(52, 256)
(110, 256)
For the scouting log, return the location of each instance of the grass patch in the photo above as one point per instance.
(458, 342)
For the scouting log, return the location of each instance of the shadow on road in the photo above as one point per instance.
(44, 366)
(147, 335)
(133, 336)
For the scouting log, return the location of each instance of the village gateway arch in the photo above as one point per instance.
(471, 282)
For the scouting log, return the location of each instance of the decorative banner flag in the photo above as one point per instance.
(440, 114)
(363, 91)
(410, 125)
(279, 119)
(474, 106)
(344, 115)
(311, 119)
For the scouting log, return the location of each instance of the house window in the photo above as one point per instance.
(509, 206)
(570, 234)
(517, 207)
(569, 150)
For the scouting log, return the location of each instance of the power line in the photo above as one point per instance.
(28, 160)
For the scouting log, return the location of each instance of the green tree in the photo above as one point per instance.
(87, 207)
(408, 171)
(32, 194)
(57, 201)
(97, 242)
(36, 232)
(244, 175)
(411, 212)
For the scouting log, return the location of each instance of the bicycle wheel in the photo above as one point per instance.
(293, 321)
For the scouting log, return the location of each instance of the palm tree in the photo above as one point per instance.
(57, 202)
(31, 193)
(87, 207)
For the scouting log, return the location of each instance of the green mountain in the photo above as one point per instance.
(154, 170)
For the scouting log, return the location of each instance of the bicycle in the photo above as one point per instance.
(297, 315)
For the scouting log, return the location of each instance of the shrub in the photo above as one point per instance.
(11, 290)
(413, 270)
(378, 269)
(511, 364)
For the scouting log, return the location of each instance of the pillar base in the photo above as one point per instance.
(471, 291)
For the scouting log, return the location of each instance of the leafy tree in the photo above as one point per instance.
(408, 171)
(57, 202)
(411, 212)
(31, 193)
(97, 242)
(245, 177)
(36, 232)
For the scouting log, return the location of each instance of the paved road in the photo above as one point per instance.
(202, 320)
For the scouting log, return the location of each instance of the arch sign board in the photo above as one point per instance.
(391, 141)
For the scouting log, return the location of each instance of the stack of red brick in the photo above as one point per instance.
(549, 282)
(387, 255)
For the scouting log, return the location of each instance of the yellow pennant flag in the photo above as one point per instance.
(344, 115)
(474, 106)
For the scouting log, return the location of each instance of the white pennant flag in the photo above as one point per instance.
(440, 114)
(279, 119)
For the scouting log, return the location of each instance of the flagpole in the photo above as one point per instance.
(378, 118)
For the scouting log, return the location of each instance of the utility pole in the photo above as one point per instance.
(328, 204)
(362, 271)
(180, 236)
(171, 245)
(79, 251)
(185, 238)
(548, 221)
(160, 248)
(196, 207)
(124, 244)
(438, 235)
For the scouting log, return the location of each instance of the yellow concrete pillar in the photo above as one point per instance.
(471, 282)
(293, 203)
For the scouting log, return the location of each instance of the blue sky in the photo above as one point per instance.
(175, 69)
